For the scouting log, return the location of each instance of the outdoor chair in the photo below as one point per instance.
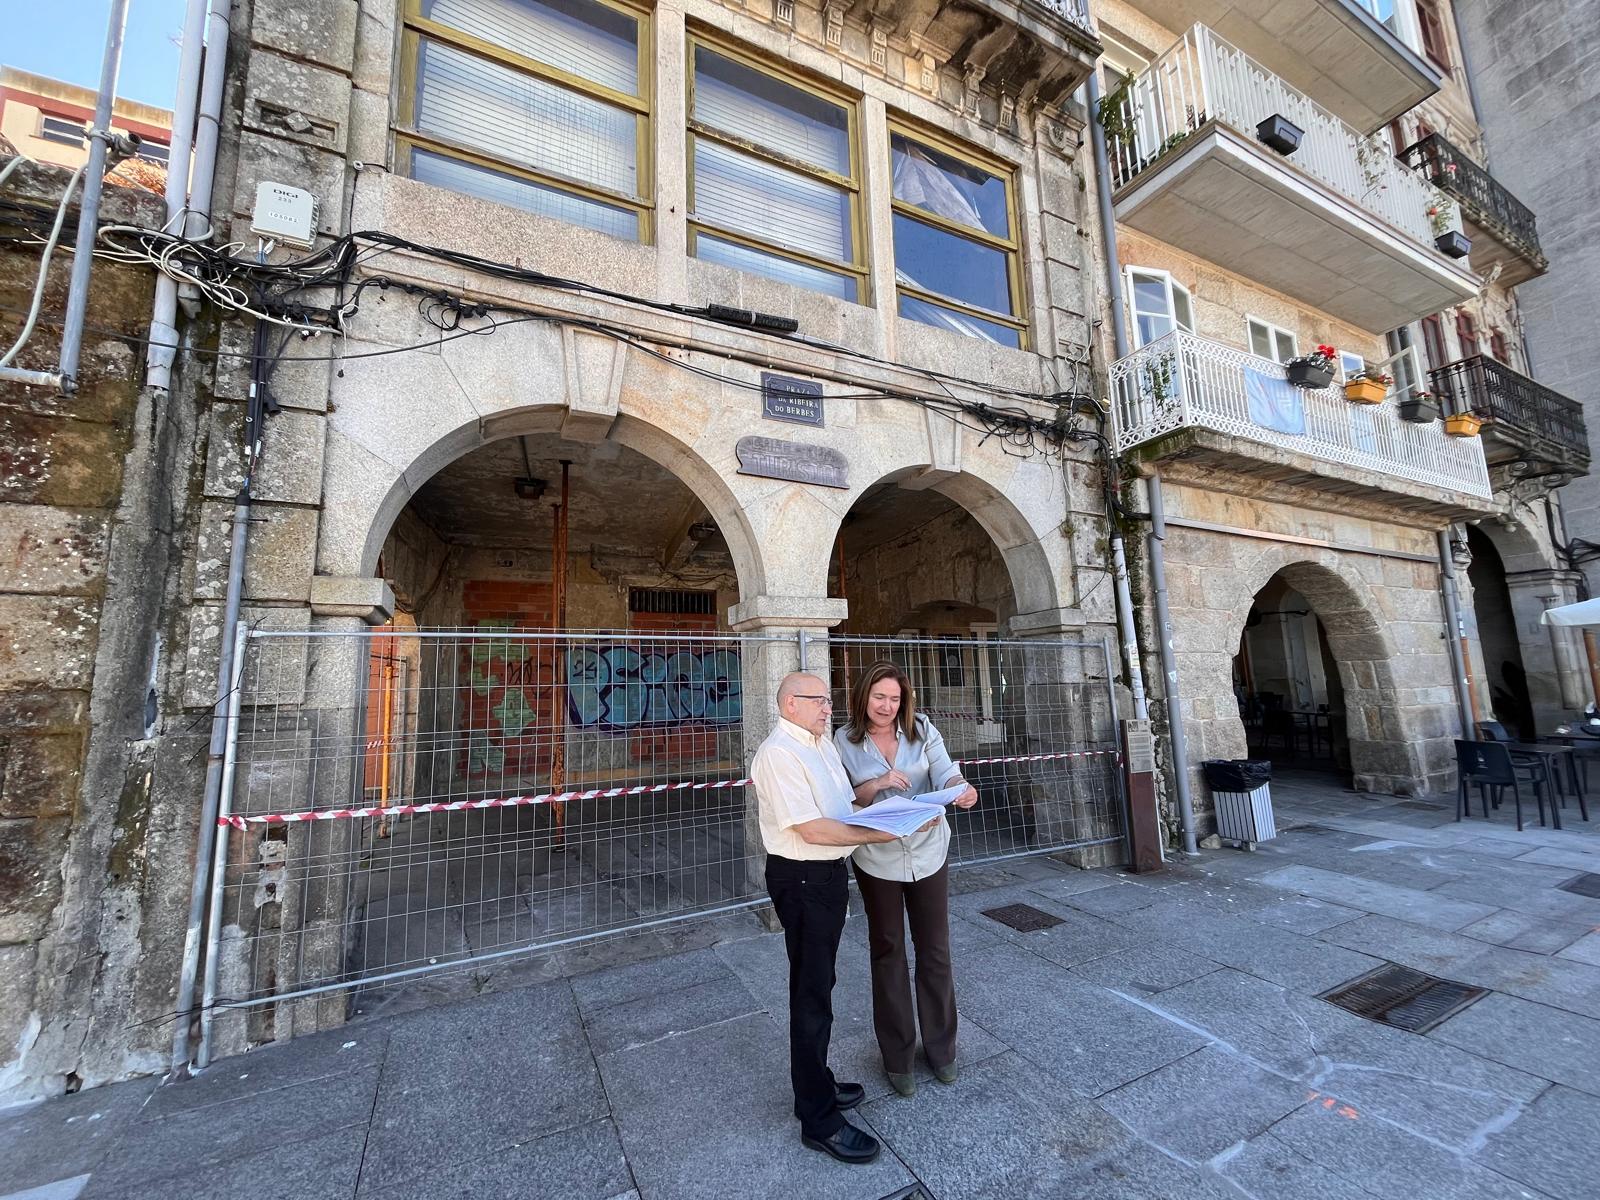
(1494, 731)
(1489, 765)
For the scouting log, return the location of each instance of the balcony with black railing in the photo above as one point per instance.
(1529, 430)
(1512, 231)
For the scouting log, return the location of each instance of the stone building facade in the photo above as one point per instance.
(912, 184)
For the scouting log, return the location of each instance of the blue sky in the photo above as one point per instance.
(66, 38)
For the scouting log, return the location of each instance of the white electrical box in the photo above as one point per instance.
(285, 214)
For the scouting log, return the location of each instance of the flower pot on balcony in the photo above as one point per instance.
(1463, 424)
(1453, 244)
(1418, 412)
(1310, 374)
(1282, 134)
(1365, 391)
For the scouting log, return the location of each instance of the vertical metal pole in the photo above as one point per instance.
(219, 863)
(89, 212)
(558, 708)
(805, 648)
(1456, 638)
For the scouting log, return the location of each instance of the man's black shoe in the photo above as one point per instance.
(848, 1095)
(848, 1145)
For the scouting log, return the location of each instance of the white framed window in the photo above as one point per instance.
(61, 129)
(1407, 367)
(1350, 365)
(1271, 341)
(1159, 305)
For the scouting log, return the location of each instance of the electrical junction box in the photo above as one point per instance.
(284, 214)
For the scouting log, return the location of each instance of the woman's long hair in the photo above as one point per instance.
(883, 669)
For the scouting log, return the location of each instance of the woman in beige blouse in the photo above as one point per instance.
(889, 749)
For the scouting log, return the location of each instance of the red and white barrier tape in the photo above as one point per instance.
(400, 810)
(973, 762)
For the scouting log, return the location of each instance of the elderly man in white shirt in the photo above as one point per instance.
(803, 793)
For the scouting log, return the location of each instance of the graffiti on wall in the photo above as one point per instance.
(666, 703)
(618, 687)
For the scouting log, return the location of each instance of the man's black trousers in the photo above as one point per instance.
(811, 899)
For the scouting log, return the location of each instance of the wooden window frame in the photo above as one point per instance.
(1499, 347)
(1433, 340)
(860, 266)
(1469, 341)
(1430, 25)
(407, 136)
(1011, 246)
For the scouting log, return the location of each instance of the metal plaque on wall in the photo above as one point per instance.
(797, 462)
(786, 399)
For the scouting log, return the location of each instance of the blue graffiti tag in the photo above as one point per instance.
(618, 687)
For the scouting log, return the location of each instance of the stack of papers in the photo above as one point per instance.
(899, 816)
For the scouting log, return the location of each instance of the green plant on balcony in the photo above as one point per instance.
(1369, 386)
(1372, 155)
(1314, 370)
(1115, 111)
(1156, 379)
(1440, 213)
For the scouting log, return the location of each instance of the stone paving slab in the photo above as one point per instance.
(1520, 931)
(1240, 1101)
(582, 1163)
(1559, 1046)
(1267, 1169)
(1546, 1147)
(1585, 950)
(1409, 904)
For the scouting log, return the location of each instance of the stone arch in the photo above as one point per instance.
(1020, 540)
(654, 443)
(1385, 730)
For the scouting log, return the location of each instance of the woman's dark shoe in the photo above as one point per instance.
(848, 1095)
(906, 1085)
(946, 1073)
(848, 1145)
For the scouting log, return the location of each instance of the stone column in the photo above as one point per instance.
(771, 650)
(1063, 706)
(313, 946)
(1552, 656)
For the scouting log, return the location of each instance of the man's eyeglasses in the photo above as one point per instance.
(825, 701)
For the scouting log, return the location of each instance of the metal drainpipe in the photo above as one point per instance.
(89, 212)
(1455, 635)
(1158, 523)
(164, 310)
(211, 800)
(1119, 558)
(208, 126)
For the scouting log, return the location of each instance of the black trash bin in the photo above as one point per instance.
(1241, 788)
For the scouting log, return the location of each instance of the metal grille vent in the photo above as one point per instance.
(671, 600)
(1403, 998)
(1587, 884)
(1024, 918)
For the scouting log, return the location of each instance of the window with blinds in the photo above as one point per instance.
(774, 182)
(955, 247)
(537, 104)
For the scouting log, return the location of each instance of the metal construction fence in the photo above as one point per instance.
(398, 802)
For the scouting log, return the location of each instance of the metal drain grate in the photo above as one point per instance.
(1403, 998)
(1024, 918)
(1587, 884)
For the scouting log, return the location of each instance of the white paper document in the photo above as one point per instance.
(896, 815)
(946, 796)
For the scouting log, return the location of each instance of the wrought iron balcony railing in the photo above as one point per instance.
(1516, 408)
(1482, 198)
(1181, 381)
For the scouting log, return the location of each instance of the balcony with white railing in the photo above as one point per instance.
(1339, 224)
(1357, 58)
(1185, 397)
